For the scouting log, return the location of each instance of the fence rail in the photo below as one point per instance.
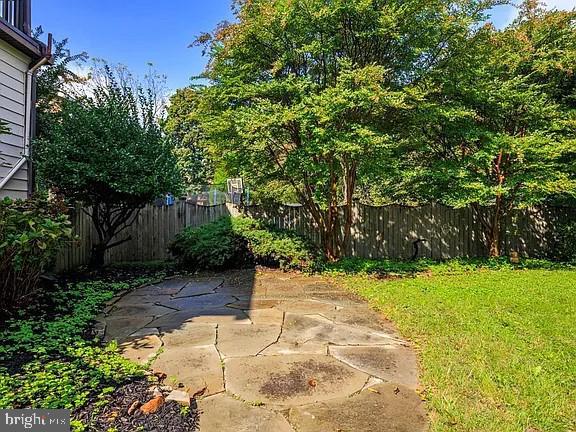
(377, 232)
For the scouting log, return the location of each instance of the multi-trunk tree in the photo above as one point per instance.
(500, 131)
(106, 151)
(312, 93)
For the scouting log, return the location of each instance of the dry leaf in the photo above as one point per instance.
(153, 405)
(200, 393)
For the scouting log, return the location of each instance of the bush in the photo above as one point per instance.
(236, 242)
(567, 241)
(31, 233)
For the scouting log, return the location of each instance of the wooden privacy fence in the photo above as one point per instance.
(151, 234)
(389, 231)
(377, 232)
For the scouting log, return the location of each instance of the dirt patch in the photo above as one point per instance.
(114, 416)
(302, 379)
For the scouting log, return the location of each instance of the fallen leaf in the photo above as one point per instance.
(313, 382)
(373, 390)
(396, 391)
(135, 405)
(199, 393)
(152, 405)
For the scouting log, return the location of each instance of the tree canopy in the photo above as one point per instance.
(311, 93)
(106, 150)
(391, 102)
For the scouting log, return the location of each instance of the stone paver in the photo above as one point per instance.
(141, 349)
(224, 413)
(190, 334)
(246, 340)
(197, 368)
(382, 408)
(391, 363)
(272, 352)
(291, 380)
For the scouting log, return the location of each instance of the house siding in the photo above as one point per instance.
(13, 68)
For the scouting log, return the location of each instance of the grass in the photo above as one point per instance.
(497, 347)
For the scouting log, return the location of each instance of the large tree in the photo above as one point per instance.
(183, 129)
(311, 93)
(499, 132)
(106, 151)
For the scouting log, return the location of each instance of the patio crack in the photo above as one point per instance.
(222, 362)
(277, 339)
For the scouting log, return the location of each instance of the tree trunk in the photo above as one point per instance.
(97, 256)
(494, 235)
(349, 187)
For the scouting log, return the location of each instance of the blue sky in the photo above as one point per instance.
(137, 32)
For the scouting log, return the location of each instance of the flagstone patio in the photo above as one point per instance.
(269, 351)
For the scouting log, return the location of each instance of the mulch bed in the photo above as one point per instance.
(114, 416)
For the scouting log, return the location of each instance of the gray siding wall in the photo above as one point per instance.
(13, 68)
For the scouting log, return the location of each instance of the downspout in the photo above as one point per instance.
(28, 118)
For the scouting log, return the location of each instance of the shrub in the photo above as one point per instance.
(212, 246)
(235, 242)
(567, 241)
(31, 233)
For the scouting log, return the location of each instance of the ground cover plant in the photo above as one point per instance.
(495, 341)
(236, 242)
(50, 358)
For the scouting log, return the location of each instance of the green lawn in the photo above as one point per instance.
(497, 348)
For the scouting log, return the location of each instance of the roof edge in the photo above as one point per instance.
(22, 42)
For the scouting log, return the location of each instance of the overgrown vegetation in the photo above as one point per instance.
(31, 233)
(235, 242)
(48, 357)
(496, 347)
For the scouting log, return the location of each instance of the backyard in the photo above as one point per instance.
(346, 216)
(496, 347)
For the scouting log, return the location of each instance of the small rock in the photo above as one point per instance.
(183, 398)
(99, 329)
(153, 405)
(135, 405)
(166, 388)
